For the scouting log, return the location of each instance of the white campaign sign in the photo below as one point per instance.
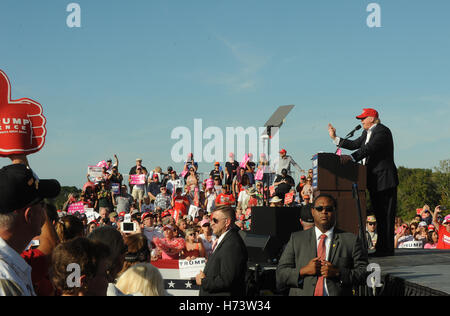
(95, 172)
(91, 215)
(415, 244)
(193, 211)
(190, 268)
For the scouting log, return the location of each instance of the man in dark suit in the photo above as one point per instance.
(224, 273)
(324, 260)
(375, 149)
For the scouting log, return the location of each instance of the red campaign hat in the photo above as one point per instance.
(122, 214)
(283, 151)
(431, 228)
(165, 213)
(418, 211)
(145, 215)
(367, 113)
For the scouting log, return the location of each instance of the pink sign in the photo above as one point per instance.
(137, 179)
(244, 161)
(76, 207)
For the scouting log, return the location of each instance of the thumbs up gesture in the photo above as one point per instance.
(22, 123)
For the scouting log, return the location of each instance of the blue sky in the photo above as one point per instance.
(137, 69)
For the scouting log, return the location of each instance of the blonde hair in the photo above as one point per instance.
(142, 278)
(189, 231)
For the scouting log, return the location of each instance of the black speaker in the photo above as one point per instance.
(261, 248)
(279, 222)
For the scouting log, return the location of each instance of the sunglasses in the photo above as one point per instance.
(215, 220)
(372, 224)
(328, 209)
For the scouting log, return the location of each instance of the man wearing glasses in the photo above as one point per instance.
(163, 199)
(21, 218)
(371, 229)
(324, 260)
(225, 270)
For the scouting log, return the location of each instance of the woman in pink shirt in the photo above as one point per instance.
(433, 238)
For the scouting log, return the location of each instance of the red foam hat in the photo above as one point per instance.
(367, 113)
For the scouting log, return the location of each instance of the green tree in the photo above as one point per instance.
(416, 188)
(62, 197)
(442, 180)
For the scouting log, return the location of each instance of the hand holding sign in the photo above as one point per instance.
(22, 123)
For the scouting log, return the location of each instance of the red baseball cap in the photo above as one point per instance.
(431, 228)
(283, 151)
(122, 214)
(145, 215)
(367, 113)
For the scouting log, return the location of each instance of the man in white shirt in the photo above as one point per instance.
(323, 261)
(21, 219)
(375, 149)
(285, 162)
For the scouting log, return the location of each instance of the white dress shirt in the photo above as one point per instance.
(220, 240)
(327, 250)
(14, 269)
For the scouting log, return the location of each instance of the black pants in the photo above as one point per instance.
(385, 208)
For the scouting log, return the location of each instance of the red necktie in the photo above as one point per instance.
(321, 254)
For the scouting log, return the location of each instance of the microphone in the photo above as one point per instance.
(358, 127)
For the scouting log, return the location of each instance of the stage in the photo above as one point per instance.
(414, 272)
(411, 272)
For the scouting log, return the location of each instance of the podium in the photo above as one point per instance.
(336, 179)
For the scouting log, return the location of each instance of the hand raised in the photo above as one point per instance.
(331, 131)
(22, 124)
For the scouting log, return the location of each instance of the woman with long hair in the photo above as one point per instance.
(193, 248)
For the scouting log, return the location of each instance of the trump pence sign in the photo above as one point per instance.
(22, 123)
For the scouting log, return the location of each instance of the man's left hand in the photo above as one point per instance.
(346, 158)
(199, 277)
(327, 270)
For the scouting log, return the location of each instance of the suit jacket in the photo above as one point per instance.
(226, 268)
(346, 253)
(379, 154)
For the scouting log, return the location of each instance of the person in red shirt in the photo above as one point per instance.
(443, 230)
(225, 198)
(38, 258)
(180, 203)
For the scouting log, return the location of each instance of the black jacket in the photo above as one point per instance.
(379, 154)
(226, 267)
